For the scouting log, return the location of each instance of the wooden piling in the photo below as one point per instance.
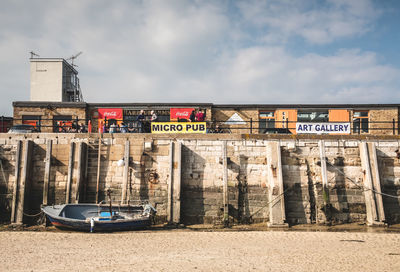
(373, 198)
(276, 196)
(324, 174)
(125, 175)
(70, 171)
(16, 182)
(170, 182)
(176, 194)
(85, 173)
(47, 171)
(174, 183)
(98, 170)
(25, 180)
(377, 183)
(80, 168)
(225, 184)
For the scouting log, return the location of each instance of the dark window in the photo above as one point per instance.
(34, 120)
(130, 119)
(63, 123)
(360, 122)
(266, 122)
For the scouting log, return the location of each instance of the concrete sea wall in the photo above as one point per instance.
(206, 178)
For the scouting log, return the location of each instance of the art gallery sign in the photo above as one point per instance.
(322, 128)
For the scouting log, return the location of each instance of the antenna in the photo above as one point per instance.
(33, 54)
(74, 57)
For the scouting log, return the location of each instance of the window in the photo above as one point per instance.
(267, 122)
(312, 116)
(130, 118)
(63, 123)
(360, 121)
(34, 120)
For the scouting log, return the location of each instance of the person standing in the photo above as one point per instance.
(140, 121)
(192, 116)
(113, 128)
(123, 128)
(154, 116)
(200, 116)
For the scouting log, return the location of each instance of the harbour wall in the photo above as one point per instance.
(217, 179)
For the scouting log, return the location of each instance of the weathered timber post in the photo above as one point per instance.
(25, 181)
(79, 173)
(16, 182)
(170, 180)
(47, 171)
(324, 176)
(126, 172)
(276, 197)
(174, 186)
(85, 172)
(98, 169)
(373, 198)
(376, 182)
(225, 184)
(70, 171)
(176, 206)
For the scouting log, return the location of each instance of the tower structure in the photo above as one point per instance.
(54, 79)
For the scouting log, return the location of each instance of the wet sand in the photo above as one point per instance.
(190, 250)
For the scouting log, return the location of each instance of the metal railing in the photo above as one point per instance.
(77, 125)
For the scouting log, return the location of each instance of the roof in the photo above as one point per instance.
(49, 104)
(54, 60)
(230, 106)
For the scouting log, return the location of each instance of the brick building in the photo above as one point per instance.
(339, 119)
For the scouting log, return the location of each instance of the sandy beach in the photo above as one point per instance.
(188, 250)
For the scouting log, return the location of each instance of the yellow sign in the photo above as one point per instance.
(178, 127)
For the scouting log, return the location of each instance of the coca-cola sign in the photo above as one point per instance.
(110, 113)
(180, 113)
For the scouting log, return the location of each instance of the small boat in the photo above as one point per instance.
(95, 217)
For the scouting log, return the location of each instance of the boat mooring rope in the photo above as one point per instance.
(33, 215)
(267, 205)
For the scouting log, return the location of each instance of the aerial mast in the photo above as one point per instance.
(74, 57)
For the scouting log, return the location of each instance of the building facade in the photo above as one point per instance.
(335, 119)
(54, 80)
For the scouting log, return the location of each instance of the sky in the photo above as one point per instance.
(216, 51)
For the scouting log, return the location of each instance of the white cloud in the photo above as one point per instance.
(196, 51)
(271, 75)
(318, 22)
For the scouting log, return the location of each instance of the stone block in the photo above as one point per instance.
(387, 144)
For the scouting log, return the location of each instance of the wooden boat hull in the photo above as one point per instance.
(90, 217)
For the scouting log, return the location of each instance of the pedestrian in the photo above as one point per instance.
(200, 116)
(90, 126)
(123, 128)
(154, 116)
(82, 128)
(104, 128)
(140, 121)
(192, 116)
(113, 128)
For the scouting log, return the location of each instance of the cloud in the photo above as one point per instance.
(271, 75)
(198, 51)
(318, 22)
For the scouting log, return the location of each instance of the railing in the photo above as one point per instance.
(77, 125)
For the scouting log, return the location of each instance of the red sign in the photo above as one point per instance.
(179, 113)
(110, 113)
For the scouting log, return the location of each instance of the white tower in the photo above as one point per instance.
(54, 79)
